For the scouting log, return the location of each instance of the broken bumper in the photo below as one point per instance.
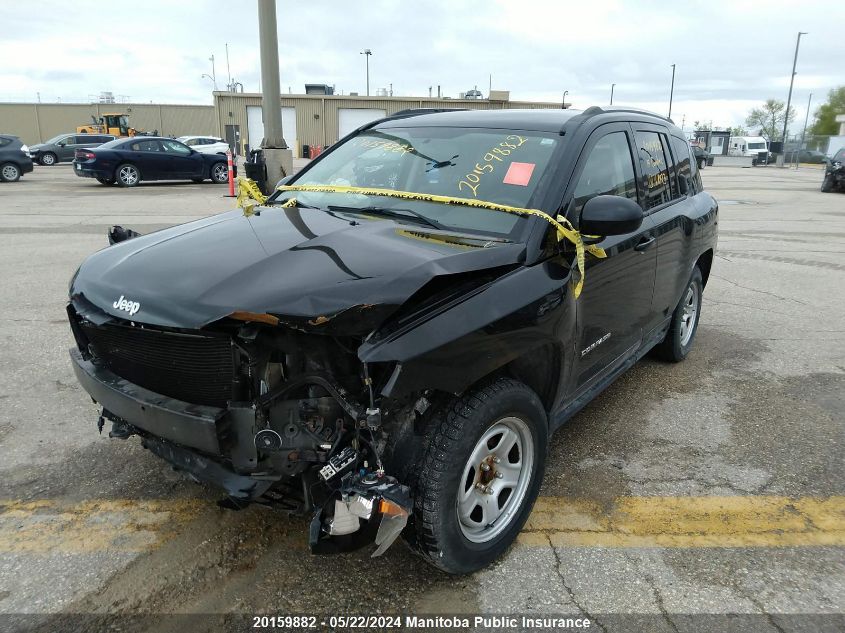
(170, 428)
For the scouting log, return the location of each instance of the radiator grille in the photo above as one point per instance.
(196, 369)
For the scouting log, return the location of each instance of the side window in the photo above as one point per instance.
(671, 163)
(656, 183)
(683, 162)
(175, 147)
(145, 146)
(609, 170)
(192, 141)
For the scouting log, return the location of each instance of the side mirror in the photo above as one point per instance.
(61, 143)
(610, 215)
(683, 185)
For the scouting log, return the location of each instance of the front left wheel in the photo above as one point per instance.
(479, 476)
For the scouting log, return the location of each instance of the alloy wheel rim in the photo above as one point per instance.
(218, 173)
(48, 159)
(10, 172)
(128, 175)
(689, 312)
(495, 480)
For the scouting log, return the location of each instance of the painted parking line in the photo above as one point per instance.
(46, 526)
(752, 521)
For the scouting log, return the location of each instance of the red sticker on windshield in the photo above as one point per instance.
(519, 174)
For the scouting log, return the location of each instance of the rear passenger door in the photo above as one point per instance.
(662, 166)
(616, 299)
(148, 156)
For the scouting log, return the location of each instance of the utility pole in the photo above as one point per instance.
(780, 161)
(366, 53)
(213, 72)
(228, 72)
(278, 158)
(612, 86)
(671, 91)
(804, 131)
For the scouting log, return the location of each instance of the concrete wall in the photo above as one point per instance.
(37, 122)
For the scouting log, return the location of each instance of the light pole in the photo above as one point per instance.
(612, 86)
(804, 131)
(789, 99)
(213, 72)
(671, 92)
(366, 53)
(563, 102)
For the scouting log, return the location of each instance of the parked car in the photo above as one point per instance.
(805, 156)
(127, 162)
(62, 148)
(702, 156)
(394, 335)
(206, 144)
(834, 173)
(14, 158)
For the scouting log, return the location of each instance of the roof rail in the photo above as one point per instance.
(419, 111)
(594, 110)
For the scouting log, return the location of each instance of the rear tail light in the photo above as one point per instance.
(82, 154)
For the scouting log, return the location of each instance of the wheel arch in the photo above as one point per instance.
(705, 263)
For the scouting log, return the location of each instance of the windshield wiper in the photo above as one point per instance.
(404, 214)
(299, 204)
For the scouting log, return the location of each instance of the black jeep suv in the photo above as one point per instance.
(389, 341)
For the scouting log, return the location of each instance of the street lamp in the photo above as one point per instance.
(563, 102)
(213, 75)
(207, 76)
(781, 158)
(671, 92)
(612, 86)
(367, 52)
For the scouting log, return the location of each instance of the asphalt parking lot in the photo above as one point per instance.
(712, 486)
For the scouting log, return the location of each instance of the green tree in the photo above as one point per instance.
(825, 115)
(701, 125)
(769, 119)
(738, 130)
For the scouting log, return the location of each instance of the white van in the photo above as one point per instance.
(747, 146)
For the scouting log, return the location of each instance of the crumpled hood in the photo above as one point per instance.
(303, 264)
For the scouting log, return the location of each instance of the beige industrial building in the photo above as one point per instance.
(307, 120)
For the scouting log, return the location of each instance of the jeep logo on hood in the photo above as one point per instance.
(128, 306)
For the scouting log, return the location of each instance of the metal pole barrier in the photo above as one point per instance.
(231, 174)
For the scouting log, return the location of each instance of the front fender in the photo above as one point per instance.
(451, 350)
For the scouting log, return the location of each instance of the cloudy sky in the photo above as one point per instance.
(730, 54)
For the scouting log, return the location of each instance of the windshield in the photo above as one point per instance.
(756, 146)
(55, 139)
(494, 165)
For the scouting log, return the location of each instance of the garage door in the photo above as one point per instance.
(255, 125)
(351, 118)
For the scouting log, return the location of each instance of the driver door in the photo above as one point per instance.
(615, 303)
(181, 162)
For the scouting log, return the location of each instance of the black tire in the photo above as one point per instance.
(677, 344)
(9, 172)
(219, 173)
(827, 184)
(455, 432)
(123, 175)
(702, 163)
(47, 159)
(105, 181)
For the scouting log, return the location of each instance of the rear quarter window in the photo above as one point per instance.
(4, 141)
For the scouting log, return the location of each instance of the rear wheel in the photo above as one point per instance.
(127, 175)
(702, 163)
(10, 172)
(479, 476)
(48, 159)
(681, 335)
(220, 173)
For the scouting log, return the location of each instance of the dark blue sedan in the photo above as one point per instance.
(128, 161)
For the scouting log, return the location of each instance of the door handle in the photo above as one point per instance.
(644, 243)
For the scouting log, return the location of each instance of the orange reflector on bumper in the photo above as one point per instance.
(259, 317)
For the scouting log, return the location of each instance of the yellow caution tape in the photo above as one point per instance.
(564, 227)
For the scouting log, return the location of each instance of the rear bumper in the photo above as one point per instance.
(26, 166)
(86, 172)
